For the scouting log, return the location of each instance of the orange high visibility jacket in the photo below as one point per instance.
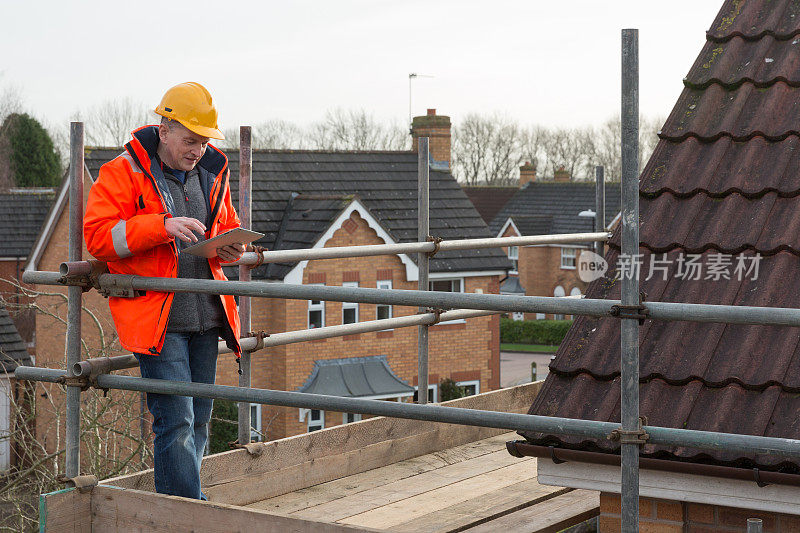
(124, 226)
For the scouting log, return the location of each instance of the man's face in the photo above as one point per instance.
(182, 149)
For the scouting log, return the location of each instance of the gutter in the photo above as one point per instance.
(762, 478)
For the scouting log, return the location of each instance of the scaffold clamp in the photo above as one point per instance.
(637, 436)
(436, 244)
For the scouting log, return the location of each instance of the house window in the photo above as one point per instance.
(349, 309)
(513, 256)
(255, 422)
(316, 420)
(559, 292)
(470, 388)
(316, 313)
(568, 258)
(349, 418)
(433, 393)
(446, 285)
(383, 311)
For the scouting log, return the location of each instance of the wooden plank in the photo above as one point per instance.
(410, 508)
(484, 509)
(371, 479)
(65, 511)
(390, 493)
(239, 469)
(116, 510)
(550, 516)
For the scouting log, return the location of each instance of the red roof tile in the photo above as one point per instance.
(724, 179)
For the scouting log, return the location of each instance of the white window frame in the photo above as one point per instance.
(350, 305)
(356, 418)
(317, 424)
(384, 284)
(433, 392)
(461, 289)
(255, 422)
(517, 316)
(557, 295)
(513, 256)
(315, 307)
(475, 382)
(566, 258)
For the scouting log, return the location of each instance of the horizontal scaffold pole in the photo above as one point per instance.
(104, 365)
(670, 311)
(749, 444)
(338, 252)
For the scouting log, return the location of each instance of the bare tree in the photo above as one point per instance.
(111, 122)
(355, 130)
(487, 150)
(113, 441)
(272, 134)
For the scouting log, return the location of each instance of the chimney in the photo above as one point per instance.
(561, 174)
(437, 128)
(527, 173)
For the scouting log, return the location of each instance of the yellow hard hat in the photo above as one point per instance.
(190, 104)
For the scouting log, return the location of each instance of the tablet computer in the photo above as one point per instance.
(208, 248)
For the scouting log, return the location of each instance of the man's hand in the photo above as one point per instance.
(183, 228)
(230, 253)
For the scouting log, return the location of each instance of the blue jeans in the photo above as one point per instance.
(180, 423)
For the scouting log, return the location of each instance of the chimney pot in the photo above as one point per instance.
(431, 112)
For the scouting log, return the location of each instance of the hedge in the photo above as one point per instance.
(550, 332)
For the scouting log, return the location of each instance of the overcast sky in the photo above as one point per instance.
(555, 63)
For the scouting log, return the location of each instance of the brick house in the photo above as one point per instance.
(547, 207)
(722, 181)
(304, 199)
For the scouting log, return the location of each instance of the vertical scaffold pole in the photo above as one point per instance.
(423, 230)
(600, 206)
(245, 209)
(74, 295)
(629, 334)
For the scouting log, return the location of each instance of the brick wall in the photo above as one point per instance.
(540, 271)
(666, 516)
(468, 347)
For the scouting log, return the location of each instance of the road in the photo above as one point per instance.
(515, 367)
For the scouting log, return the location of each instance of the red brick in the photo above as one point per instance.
(700, 513)
(385, 334)
(669, 510)
(351, 337)
(787, 524)
(608, 524)
(610, 503)
(646, 526)
(728, 516)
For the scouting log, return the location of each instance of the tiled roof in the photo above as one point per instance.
(22, 213)
(385, 182)
(489, 200)
(552, 207)
(723, 178)
(12, 347)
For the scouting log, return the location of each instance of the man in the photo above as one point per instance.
(167, 190)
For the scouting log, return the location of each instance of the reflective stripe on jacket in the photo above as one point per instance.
(124, 226)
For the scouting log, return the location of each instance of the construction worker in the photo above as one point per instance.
(167, 190)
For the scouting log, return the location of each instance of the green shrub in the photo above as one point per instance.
(549, 332)
(224, 426)
(448, 390)
(33, 157)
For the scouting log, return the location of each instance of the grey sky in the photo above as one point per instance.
(553, 63)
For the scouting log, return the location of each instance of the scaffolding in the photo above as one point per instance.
(81, 275)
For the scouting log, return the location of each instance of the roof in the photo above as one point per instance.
(12, 348)
(723, 178)
(542, 207)
(384, 181)
(512, 286)
(489, 200)
(356, 377)
(22, 212)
